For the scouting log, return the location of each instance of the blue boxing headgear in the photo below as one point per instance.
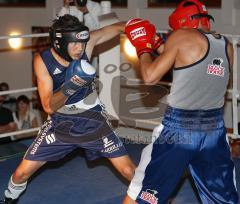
(67, 29)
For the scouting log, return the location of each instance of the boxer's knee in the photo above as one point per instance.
(20, 176)
(128, 171)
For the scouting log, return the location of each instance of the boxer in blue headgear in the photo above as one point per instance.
(61, 35)
(76, 116)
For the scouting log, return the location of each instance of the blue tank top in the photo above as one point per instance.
(57, 72)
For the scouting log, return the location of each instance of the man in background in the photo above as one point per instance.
(86, 11)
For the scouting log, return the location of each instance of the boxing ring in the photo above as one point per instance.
(108, 71)
(86, 179)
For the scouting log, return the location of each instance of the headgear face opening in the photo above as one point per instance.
(189, 14)
(60, 38)
(81, 3)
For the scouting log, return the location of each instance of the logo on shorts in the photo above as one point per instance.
(50, 139)
(136, 33)
(41, 135)
(110, 146)
(216, 67)
(149, 196)
(106, 142)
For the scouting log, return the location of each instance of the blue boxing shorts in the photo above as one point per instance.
(63, 133)
(192, 139)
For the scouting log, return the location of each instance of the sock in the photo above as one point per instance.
(15, 190)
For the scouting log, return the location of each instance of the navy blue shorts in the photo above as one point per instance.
(63, 133)
(188, 139)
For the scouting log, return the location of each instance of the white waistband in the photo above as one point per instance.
(87, 103)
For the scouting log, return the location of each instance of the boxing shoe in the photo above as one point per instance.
(8, 201)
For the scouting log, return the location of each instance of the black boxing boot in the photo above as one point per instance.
(8, 201)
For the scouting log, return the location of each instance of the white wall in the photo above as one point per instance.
(16, 66)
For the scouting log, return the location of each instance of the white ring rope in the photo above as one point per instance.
(19, 132)
(234, 91)
(35, 35)
(18, 91)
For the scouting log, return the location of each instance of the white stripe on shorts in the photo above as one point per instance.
(136, 183)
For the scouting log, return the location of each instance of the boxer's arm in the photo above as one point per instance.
(230, 53)
(153, 71)
(50, 102)
(107, 33)
(102, 35)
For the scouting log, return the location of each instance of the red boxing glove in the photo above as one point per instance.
(141, 34)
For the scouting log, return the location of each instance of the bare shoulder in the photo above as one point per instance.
(191, 46)
(186, 36)
(37, 61)
(39, 66)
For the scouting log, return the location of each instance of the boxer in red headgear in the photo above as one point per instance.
(192, 134)
(189, 14)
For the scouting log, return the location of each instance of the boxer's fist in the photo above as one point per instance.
(141, 34)
(158, 41)
(79, 74)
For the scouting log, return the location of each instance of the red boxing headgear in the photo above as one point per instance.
(189, 14)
